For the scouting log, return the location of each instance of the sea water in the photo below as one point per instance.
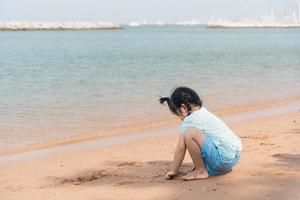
(61, 84)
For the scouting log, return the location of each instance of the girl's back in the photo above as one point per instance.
(215, 129)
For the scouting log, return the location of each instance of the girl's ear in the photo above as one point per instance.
(183, 108)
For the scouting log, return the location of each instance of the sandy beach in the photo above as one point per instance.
(95, 95)
(269, 168)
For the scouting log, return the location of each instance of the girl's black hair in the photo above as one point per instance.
(179, 96)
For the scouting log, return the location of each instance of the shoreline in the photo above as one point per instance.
(231, 116)
(132, 128)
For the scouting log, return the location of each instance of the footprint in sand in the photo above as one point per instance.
(159, 174)
(296, 131)
(91, 176)
(127, 164)
(125, 183)
(256, 137)
(268, 144)
(288, 158)
(15, 188)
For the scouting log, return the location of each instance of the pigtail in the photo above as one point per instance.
(170, 104)
(163, 99)
(179, 96)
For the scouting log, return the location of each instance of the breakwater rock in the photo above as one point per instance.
(24, 26)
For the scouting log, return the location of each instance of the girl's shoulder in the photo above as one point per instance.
(201, 112)
(195, 116)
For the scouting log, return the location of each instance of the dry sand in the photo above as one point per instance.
(269, 169)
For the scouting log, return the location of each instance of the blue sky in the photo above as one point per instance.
(124, 11)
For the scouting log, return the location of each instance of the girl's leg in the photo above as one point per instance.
(193, 140)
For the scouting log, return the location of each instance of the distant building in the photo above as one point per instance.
(272, 17)
(283, 19)
(299, 12)
(294, 17)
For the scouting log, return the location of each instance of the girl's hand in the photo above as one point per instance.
(170, 175)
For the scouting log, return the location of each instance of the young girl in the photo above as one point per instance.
(213, 147)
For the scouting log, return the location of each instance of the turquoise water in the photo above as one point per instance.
(60, 84)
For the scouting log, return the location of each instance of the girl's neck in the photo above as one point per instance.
(194, 108)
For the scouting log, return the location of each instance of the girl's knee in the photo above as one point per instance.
(188, 137)
(195, 135)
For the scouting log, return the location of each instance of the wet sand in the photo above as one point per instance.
(269, 168)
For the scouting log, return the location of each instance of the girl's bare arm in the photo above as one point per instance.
(179, 154)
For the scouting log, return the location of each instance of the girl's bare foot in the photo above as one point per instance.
(195, 175)
(188, 171)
